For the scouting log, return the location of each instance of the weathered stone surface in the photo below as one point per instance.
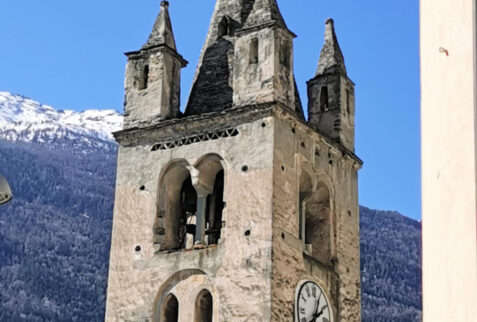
(268, 80)
(162, 31)
(264, 12)
(238, 265)
(304, 150)
(289, 210)
(331, 56)
(212, 89)
(152, 83)
(252, 277)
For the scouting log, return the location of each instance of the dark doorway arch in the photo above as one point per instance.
(170, 309)
(204, 307)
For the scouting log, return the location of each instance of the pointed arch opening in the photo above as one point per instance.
(170, 309)
(203, 307)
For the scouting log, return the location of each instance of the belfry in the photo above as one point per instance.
(238, 208)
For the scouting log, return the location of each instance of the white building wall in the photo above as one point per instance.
(449, 160)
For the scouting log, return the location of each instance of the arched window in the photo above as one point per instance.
(318, 224)
(324, 104)
(203, 307)
(170, 309)
(177, 209)
(144, 77)
(253, 52)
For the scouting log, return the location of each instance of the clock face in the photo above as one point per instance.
(311, 304)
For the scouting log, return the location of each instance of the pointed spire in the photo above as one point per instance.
(264, 12)
(162, 31)
(331, 55)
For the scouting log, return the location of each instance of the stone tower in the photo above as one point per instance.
(152, 82)
(239, 209)
(331, 93)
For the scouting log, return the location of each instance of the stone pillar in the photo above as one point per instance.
(201, 219)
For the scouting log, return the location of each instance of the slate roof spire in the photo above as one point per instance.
(162, 31)
(331, 56)
(264, 12)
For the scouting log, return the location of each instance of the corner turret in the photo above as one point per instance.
(152, 82)
(331, 106)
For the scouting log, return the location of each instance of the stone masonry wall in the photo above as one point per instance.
(236, 272)
(298, 148)
(161, 98)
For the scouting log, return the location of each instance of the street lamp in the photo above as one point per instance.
(5, 192)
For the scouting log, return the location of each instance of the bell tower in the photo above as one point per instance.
(237, 209)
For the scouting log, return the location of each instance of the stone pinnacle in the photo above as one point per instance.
(331, 55)
(162, 31)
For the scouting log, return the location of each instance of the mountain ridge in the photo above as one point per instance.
(23, 119)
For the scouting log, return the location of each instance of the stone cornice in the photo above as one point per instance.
(138, 54)
(196, 125)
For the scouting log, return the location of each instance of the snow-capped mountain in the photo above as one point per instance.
(23, 119)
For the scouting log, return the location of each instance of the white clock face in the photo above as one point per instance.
(311, 304)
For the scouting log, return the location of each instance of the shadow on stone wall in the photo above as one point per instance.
(211, 91)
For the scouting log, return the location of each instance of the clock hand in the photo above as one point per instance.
(316, 310)
(316, 316)
(318, 303)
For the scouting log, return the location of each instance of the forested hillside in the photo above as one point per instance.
(54, 235)
(390, 267)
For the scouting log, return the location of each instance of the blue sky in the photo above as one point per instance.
(68, 54)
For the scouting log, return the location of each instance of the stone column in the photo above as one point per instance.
(201, 219)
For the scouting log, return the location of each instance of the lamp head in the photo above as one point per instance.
(5, 191)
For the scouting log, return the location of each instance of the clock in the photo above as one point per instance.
(311, 304)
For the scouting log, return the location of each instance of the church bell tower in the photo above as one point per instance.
(238, 208)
